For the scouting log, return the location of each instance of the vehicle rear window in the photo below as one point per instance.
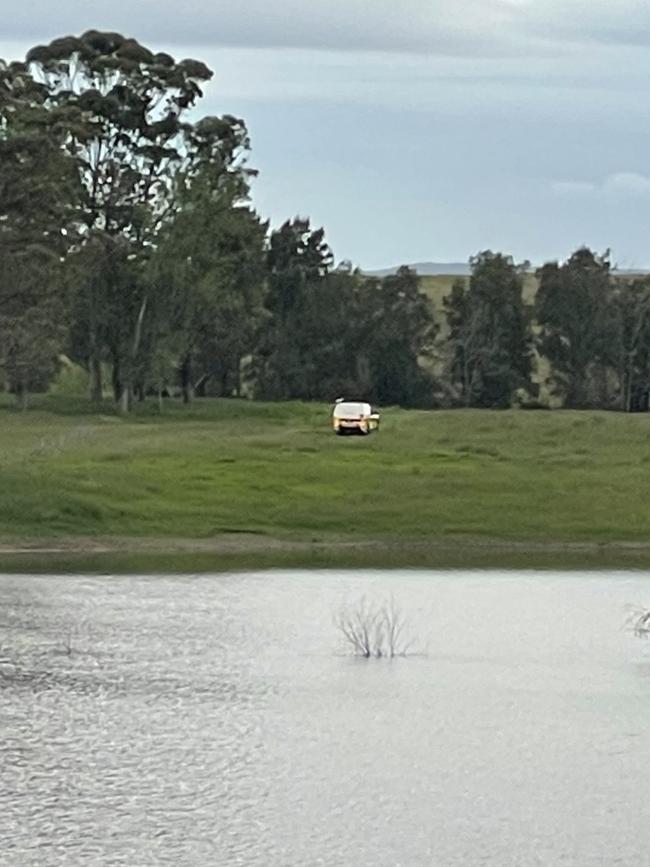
(343, 410)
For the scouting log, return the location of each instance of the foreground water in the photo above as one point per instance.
(217, 721)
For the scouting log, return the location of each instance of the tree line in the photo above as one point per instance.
(129, 245)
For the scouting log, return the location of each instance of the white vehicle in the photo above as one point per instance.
(354, 417)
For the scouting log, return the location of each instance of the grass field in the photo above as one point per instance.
(230, 483)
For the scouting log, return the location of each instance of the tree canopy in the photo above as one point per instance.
(130, 244)
(489, 330)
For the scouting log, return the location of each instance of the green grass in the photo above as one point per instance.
(457, 487)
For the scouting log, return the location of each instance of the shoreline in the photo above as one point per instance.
(238, 552)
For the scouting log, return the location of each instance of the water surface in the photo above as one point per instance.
(217, 720)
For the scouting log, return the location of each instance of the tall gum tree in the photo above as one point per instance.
(573, 312)
(489, 332)
(298, 263)
(123, 111)
(396, 330)
(630, 356)
(209, 268)
(37, 184)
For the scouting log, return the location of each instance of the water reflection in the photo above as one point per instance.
(213, 720)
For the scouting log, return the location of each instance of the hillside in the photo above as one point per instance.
(428, 269)
(437, 286)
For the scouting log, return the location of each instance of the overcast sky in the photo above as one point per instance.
(418, 130)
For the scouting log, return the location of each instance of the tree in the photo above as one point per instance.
(572, 308)
(209, 268)
(333, 331)
(394, 331)
(298, 264)
(31, 328)
(36, 183)
(630, 308)
(121, 108)
(467, 340)
(489, 332)
(298, 255)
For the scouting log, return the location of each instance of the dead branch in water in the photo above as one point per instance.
(639, 622)
(373, 629)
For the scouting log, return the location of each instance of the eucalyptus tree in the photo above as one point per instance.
(31, 325)
(489, 332)
(395, 334)
(298, 255)
(298, 263)
(333, 331)
(209, 269)
(36, 188)
(123, 112)
(573, 312)
(630, 309)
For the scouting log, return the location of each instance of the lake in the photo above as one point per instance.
(220, 720)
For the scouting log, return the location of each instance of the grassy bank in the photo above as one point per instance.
(229, 484)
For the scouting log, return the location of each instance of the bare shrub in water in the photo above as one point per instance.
(7, 666)
(639, 622)
(372, 629)
(71, 634)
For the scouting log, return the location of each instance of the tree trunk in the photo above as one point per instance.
(22, 396)
(125, 399)
(622, 384)
(96, 387)
(601, 385)
(94, 364)
(467, 381)
(577, 391)
(238, 378)
(116, 381)
(126, 394)
(628, 387)
(364, 373)
(199, 389)
(186, 380)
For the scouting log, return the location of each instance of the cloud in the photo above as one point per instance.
(468, 28)
(617, 185)
(605, 22)
(627, 184)
(573, 188)
(439, 26)
(448, 27)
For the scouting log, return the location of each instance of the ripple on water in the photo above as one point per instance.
(213, 720)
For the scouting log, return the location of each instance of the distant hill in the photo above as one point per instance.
(462, 269)
(428, 269)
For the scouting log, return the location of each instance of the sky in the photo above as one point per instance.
(424, 130)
